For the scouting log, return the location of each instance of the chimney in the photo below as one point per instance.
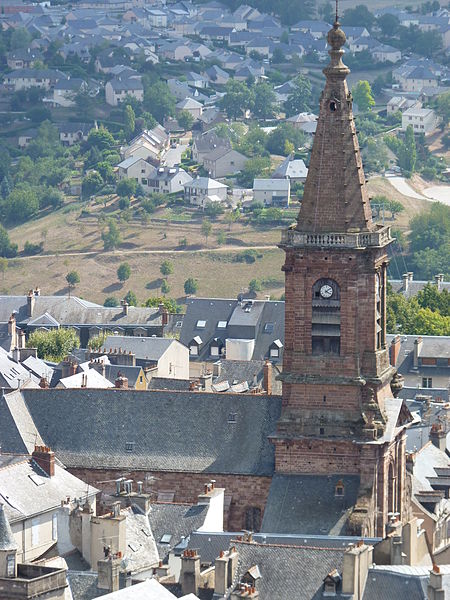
(206, 382)
(22, 340)
(410, 275)
(12, 328)
(121, 382)
(30, 303)
(43, 383)
(438, 437)
(267, 377)
(164, 314)
(436, 586)
(418, 343)
(108, 573)
(45, 458)
(84, 380)
(357, 561)
(405, 278)
(395, 350)
(125, 307)
(190, 572)
(37, 291)
(438, 280)
(217, 368)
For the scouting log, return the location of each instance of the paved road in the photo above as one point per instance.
(437, 193)
(173, 155)
(145, 252)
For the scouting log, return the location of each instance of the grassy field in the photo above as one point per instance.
(67, 235)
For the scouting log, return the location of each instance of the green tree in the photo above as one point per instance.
(389, 25)
(5, 188)
(408, 155)
(362, 95)
(100, 138)
(131, 298)
(238, 98)
(158, 99)
(206, 228)
(22, 204)
(123, 272)
(111, 237)
(264, 101)
(428, 322)
(3, 267)
(430, 297)
(72, 279)
(429, 262)
(169, 303)
(278, 56)
(111, 302)
(129, 121)
(126, 187)
(165, 287)
(54, 345)
(20, 38)
(190, 286)
(299, 100)
(360, 16)
(430, 228)
(166, 268)
(443, 108)
(221, 238)
(185, 120)
(7, 250)
(395, 208)
(254, 286)
(91, 184)
(276, 141)
(254, 167)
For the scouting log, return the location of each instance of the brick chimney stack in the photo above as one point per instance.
(121, 382)
(438, 437)
(395, 350)
(164, 314)
(45, 458)
(267, 377)
(43, 383)
(125, 307)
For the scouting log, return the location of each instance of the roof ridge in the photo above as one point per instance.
(288, 545)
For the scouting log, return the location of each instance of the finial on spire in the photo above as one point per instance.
(337, 11)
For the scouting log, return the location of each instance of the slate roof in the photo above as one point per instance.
(7, 541)
(92, 378)
(166, 383)
(25, 489)
(389, 584)
(18, 433)
(273, 185)
(83, 585)
(92, 428)
(291, 169)
(308, 504)
(289, 571)
(176, 520)
(264, 323)
(75, 311)
(131, 373)
(12, 374)
(151, 348)
(141, 548)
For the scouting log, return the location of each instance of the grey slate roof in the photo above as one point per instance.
(240, 324)
(83, 585)
(391, 585)
(151, 348)
(18, 433)
(92, 427)
(175, 520)
(7, 541)
(289, 572)
(166, 383)
(308, 504)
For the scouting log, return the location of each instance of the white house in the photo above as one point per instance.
(117, 90)
(384, 53)
(137, 168)
(169, 180)
(272, 192)
(400, 104)
(191, 106)
(423, 120)
(224, 161)
(202, 190)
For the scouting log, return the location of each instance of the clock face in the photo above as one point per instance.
(326, 291)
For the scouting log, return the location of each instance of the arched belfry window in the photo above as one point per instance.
(326, 317)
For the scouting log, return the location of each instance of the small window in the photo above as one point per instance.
(232, 417)
(427, 382)
(222, 325)
(129, 446)
(214, 351)
(141, 379)
(322, 431)
(193, 350)
(201, 324)
(333, 106)
(274, 353)
(10, 565)
(268, 328)
(339, 489)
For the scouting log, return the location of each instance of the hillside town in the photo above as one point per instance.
(224, 300)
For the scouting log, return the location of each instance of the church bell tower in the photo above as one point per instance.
(338, 412)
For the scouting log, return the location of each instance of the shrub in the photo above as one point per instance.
(31, 249)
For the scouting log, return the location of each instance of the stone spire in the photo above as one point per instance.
(335, 198)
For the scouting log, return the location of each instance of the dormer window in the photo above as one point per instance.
(275, 349)
(339, 489)
(194, 346)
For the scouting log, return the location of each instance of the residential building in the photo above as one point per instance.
(169, 180)
(89, 378)
(307, 122)
(409, 287)
(385, 53)
(22, 58)
(150, 144)
(224, 161)
(244, 330)
(157, 18)
(165, 357)
(272, 192)
(423, 361)
(196, 80)
(73, 133)
(136, 168)
(191, 106)
(24, 79)
(66, 90)
(202, 190)
(400, 104)
(422, 120)
(33, 489)
(293, 169)
(206, 143)
(118, 89)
